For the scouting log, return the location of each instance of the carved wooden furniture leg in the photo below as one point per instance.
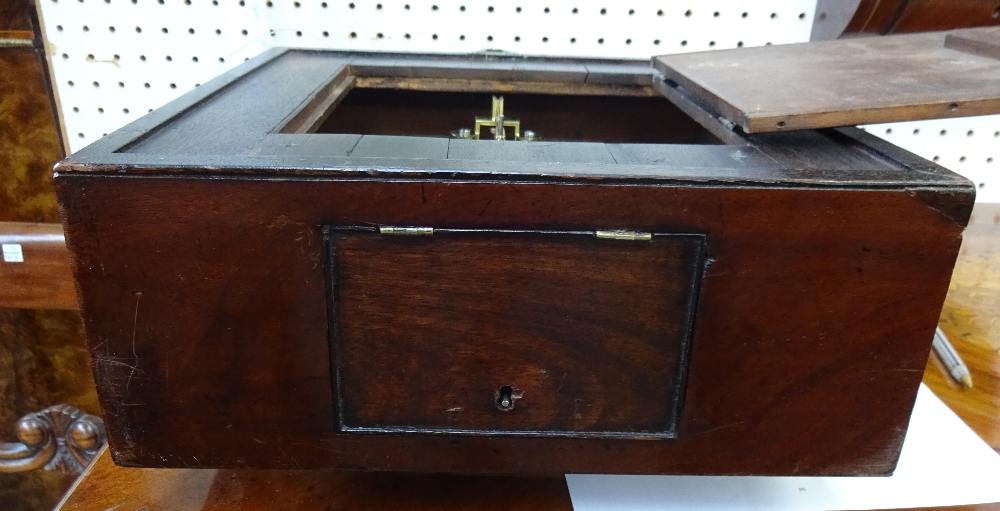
(59, 438)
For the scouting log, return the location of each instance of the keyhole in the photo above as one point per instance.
(505, 401)
(505, 397)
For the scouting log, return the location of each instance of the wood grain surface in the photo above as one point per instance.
(970, 308)
(428, 329)
(250, 361)
(29, 139)
(840, 83)
(971, 321)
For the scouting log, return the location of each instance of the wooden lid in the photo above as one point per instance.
(845, 82)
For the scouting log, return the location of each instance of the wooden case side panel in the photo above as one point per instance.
(204, 303)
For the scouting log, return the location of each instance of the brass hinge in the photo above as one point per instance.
(406, 231)
(623, 235)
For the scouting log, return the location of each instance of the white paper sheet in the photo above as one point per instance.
(943, 463)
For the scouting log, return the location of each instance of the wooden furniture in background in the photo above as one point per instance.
(43, 359)
(854, 18)
(44, 279)
(880, 17)
(30, 140)
(59, 438)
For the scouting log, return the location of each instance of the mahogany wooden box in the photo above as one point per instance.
(296, 266)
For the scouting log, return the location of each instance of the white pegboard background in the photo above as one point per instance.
(114, 60)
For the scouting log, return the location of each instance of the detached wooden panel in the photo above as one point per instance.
(42, 278)
(842, 83)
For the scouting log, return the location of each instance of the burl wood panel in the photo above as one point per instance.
(591, 334)
(29, 138)
(840, 83)
(15, 19)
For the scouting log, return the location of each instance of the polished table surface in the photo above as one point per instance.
(971, 319)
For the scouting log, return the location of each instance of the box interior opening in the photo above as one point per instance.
(552, 117)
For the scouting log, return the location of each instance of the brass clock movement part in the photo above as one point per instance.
(497, 123)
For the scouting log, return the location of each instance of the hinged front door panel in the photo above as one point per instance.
(502, 332)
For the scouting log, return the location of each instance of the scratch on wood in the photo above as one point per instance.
(485, 206)
(318, 447)
(720, 427)
(283, 453)
(135, 323)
